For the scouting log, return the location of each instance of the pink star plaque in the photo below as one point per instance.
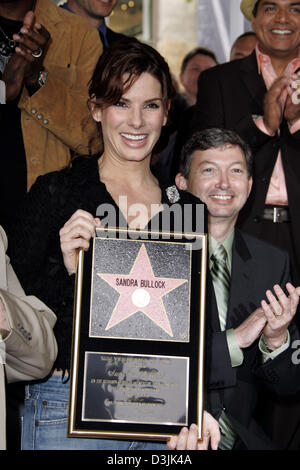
(141, 291)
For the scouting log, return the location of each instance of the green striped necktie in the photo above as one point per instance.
(221, 280)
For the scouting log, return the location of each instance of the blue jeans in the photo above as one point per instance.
(45, 421)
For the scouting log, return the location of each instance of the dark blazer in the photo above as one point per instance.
(256, 267)
(111, 37)
(229, 95)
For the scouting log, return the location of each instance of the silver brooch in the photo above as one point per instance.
(173, 194)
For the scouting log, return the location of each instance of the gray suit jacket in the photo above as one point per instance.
(29, 349)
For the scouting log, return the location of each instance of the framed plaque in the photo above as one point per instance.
(138, 335)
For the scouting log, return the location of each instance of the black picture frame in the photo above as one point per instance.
(138, 374)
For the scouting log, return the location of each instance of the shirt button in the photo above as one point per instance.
(33, 111)
(45, 121)
(39, 116)
(256, 219)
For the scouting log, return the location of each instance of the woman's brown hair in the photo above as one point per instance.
(128, 58)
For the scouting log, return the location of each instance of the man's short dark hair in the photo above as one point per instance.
(213, 139)
(245, 35)
(197, 51)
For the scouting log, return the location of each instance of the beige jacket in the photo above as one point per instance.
(29, 349)
(53, 119)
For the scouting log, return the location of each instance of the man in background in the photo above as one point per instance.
(194, 63)
(249, 337)
(254, 97)
(47, 57)
(95, 12)
(243, 45)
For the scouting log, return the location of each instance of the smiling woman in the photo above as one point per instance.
(130, 92)
(132, 126)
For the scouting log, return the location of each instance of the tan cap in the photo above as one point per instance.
(247, 8)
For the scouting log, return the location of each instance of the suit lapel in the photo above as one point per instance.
(242, 272)
(241, 291)
(252, 80)
(213, 318)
